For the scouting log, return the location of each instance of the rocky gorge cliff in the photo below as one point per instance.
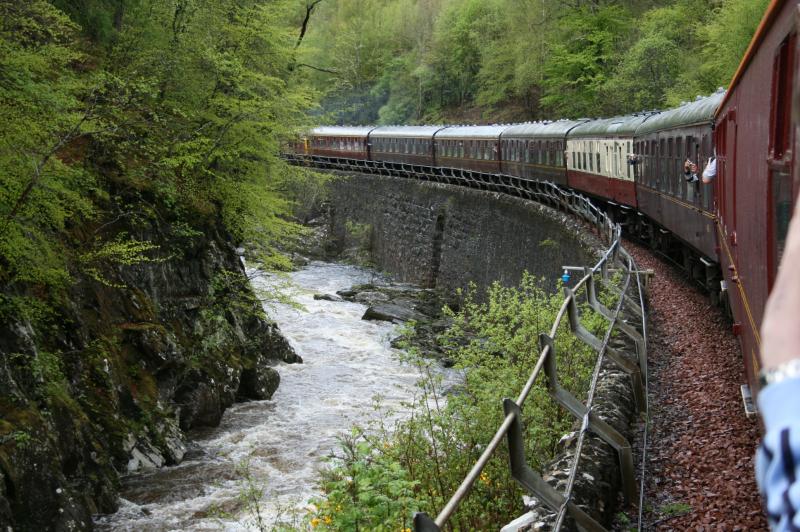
(109, 380)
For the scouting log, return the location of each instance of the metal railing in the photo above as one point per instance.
(614, 257)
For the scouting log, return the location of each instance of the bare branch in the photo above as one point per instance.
(309, 9)
(319, 69)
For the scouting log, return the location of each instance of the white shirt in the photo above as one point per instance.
(710, 171)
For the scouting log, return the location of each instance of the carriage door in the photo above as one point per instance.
(728, 177)
(779, 194)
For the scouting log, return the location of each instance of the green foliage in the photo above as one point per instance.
(578, 65)
(121, 251)
(42, 116)
(183, 105)
(411, 61)
(386, 472)
(724, 35)
(674, 509)
(47, 371)
(368, 488)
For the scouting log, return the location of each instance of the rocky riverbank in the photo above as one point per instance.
(127, 362)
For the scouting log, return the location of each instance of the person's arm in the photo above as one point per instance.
(690, 171)
(778, 459)
(710, 171)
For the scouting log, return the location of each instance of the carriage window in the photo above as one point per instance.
(627, 166)
(598, 162)
(780, 212)
(783, 72)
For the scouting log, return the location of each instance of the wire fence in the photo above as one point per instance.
(613, 258)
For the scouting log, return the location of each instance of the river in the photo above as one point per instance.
(271, 451)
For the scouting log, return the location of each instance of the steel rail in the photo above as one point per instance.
(589, 405)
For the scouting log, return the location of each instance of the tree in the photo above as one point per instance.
(581, 61)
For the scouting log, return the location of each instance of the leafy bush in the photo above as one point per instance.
(386, 471)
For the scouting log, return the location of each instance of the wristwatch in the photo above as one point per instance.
(787, 370)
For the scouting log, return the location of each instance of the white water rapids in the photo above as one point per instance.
(282, 442)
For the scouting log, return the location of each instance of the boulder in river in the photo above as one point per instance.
(391, 312)
(328, 297)
(371, 297)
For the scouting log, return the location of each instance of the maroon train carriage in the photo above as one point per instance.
(757, 182)
(339, 141)
(686, 210)
(403, 144)
(597, 158)
(536, 150)
(470, 148)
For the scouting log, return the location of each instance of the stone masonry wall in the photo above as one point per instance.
(446, 236)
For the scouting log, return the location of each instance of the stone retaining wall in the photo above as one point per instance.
(446, 236)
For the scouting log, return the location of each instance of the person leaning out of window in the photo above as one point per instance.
(709, 173)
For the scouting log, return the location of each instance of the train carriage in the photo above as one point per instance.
(470, 147)
(662, 145)
(339, 141)
(536, 150)
(757, 181)
(597, 158)
(403, 144)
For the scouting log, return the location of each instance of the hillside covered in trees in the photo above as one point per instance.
(418, 61)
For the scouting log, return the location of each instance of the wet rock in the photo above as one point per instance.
(258, 383)
(163, 347)
(371, 297)
(144, 459)
(276, 346)
(391, 312)
(347, 294)
(328, 297)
